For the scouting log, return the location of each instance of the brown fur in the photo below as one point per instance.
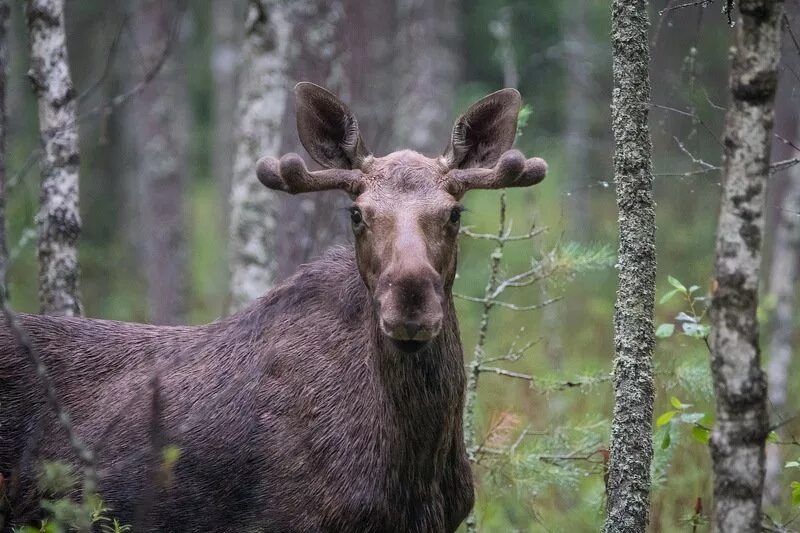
(285, 423)
(331, 404)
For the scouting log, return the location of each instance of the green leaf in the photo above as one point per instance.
(665, 442)
(677, 284)
(772, 437)
(665, 330)
(792, 464)
(665, 419)
(664, 299)
(795, 492)
(693, 288)
(701, 434)
(677, 404)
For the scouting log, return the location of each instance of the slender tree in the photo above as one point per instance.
(59, 218)
(426, 74)
(784, 274)
(5, 14)
(227, 22)
(737, 441)
(369, 39)
(160, 121)
(284, 42)
(262, 100)
(628, 489)
(578, 108)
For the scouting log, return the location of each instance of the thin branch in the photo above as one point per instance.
(505, 237)
(491, 302)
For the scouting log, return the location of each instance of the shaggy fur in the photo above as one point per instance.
(295, 414)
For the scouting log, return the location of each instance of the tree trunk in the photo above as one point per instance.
(5, 15)
(285, 42)
(783, 277)
(628, 489)
(369, 38)
(578, 111)
(426, 72)
(226, 19)
(161, 122)
(59, 219)
(737, 441)
(783, 280)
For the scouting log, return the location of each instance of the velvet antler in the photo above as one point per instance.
(291, 175)
(511, 170)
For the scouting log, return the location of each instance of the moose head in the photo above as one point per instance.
(405, 213)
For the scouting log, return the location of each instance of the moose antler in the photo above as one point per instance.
(291, 175)
(511, 170)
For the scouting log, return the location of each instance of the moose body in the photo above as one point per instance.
(290, 415)
(333, 403)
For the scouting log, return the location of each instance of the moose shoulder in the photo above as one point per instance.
(333, 403)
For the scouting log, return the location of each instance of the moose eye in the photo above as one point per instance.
(455, 215)
(355, 216)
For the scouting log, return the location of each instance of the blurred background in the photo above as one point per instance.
(163, 103)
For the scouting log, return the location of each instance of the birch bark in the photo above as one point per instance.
(262, 101)
(285, 42)
(628, 488)
(59, 218)
(737, 441)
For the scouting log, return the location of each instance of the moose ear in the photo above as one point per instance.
(487, 129)
(327, 128)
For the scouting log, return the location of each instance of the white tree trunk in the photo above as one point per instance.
(426, 72)
(262, 102)
(628, 489)
(737, 441)
(272, 233)
(160, 121)
(59, 219)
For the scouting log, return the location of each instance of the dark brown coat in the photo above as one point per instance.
(292, 415)
(331, 404)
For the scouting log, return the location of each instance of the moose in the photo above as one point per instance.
(332, 403)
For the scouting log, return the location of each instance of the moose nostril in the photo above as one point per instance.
(411, 329)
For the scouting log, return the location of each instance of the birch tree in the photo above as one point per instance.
(5, 15)
(160, 122)
(59, 218)
(628, 487)
(285, 42)
(426, 73)
(742, 424)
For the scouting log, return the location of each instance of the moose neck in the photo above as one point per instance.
(423, 390)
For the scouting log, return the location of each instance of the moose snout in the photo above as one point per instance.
(410, 309)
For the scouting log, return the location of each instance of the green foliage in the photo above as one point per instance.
(57, 484)
(691, 320)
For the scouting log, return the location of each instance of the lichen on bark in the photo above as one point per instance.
(59, 218)
(628, 489)
(737, 441)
